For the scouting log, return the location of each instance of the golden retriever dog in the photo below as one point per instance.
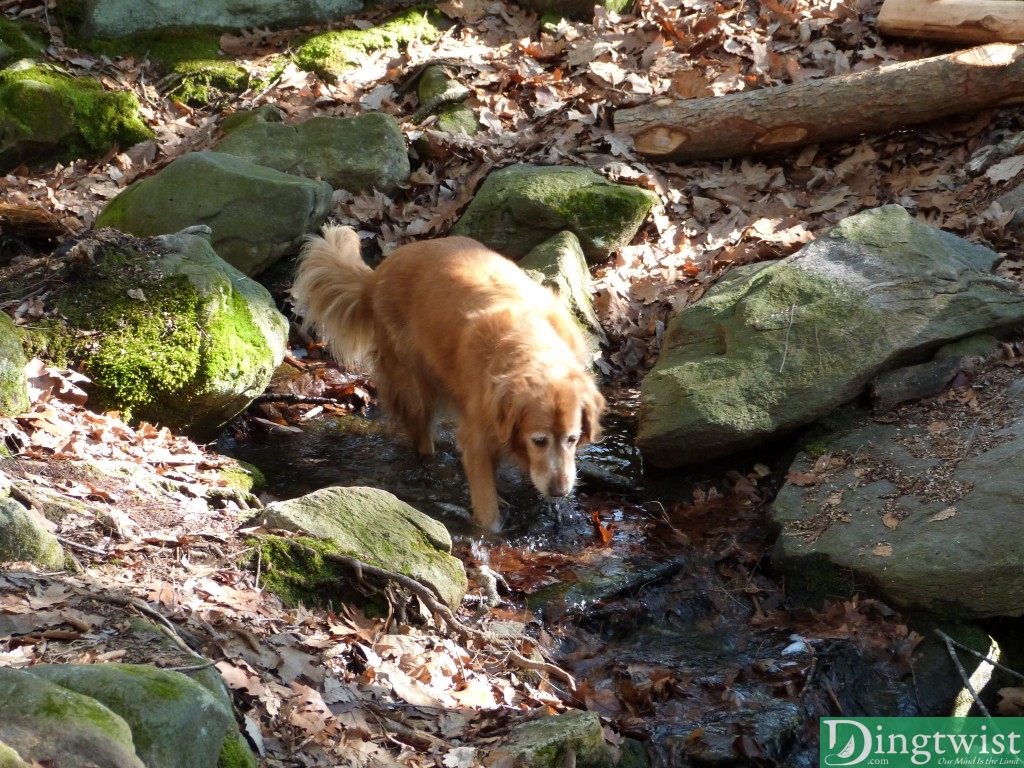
(450, 328)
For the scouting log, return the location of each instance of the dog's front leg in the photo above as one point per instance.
(479, 464)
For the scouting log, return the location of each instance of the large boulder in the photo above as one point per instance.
(13, 388)
(923, 512)
(45, 723)
(521, 206)
(256, 214)
(158, 705)
(46, 115)
(167, 331)
(778, 346)
(115, 18)
(371, 526)
(358, 154)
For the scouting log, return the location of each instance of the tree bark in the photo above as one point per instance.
(961, 21)
(830, 109)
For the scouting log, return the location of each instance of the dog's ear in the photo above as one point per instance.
(507, 407)
(593, 408)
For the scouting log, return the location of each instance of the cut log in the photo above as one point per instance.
(961, 21)
(830, 109)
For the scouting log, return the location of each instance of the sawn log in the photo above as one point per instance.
(830, 109)
(961, 21)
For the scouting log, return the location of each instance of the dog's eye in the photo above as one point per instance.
(572, 439)
(540, 440)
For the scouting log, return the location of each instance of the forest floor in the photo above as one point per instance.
(319, 684)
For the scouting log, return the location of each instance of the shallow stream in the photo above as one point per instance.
(651, 589)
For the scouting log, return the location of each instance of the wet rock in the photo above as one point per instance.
(47, 723)
(185, 340)
(114, 18)
(374, 527)
(521, 206)
(13, 386)
(559, 263)
(925, 518)
(358, 154)
(256, 214)
(571, 738)
(46, 115)
(777, 346)
(158, 705)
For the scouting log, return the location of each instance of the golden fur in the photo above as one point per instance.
(448, 326)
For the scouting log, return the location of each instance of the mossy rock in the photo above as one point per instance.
(333, 53)
(46, 115)
(256, 214)
(110, 19)
(19, 40)
(168, 332)
(359, 154)
(25, 537)
(158, 705)
(189, 59)
(521, 206)
(559, 264)
(367, 524)
(45, 723)
(13, 387)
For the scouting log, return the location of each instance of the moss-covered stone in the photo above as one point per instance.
(559, 264)
(189, 58)
(44, 722)
(19, 40)
(48, 115)
(13, 388)
(158, 705)
(25, 537)
(166, 330)
(360, 154)
(521, 206)
(371, 526)
(256, 214)
(545, 742)
(332, 53)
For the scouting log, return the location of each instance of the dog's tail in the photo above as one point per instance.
(329, 294)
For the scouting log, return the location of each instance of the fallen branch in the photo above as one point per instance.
(964, 677)
(829, 109)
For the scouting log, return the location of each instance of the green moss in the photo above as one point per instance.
(19, 41)
(297, 571)
(244, 477)
(189, 58)
(332, 53)
(141, 346)
(44, 112)
(236, 753)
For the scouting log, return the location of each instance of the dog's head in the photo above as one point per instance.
(545, 420)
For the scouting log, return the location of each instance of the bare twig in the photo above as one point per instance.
(964, 677)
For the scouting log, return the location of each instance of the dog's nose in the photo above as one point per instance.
(559, 488)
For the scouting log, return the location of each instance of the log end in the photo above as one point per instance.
(660, 140)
